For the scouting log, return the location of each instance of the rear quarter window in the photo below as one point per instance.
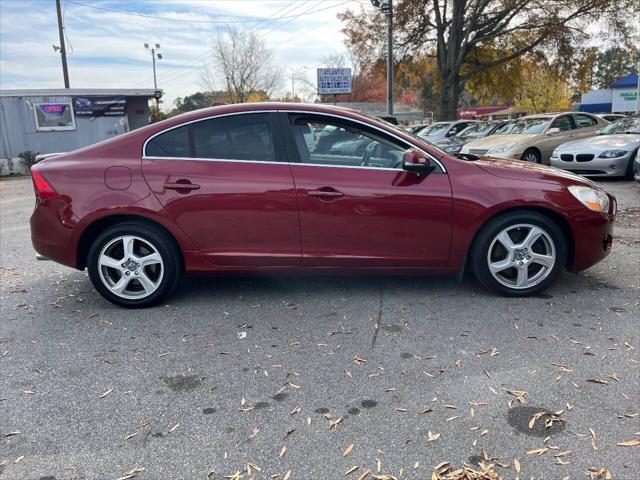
(174, 143)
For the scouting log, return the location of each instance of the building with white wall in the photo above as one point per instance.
(620, 97)
(60, 120)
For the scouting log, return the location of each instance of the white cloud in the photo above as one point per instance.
(108, 47)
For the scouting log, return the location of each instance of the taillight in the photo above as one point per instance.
(42, 188)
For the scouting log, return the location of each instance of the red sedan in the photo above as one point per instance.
(292, 188)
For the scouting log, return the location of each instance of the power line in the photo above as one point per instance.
(172, 75)
(225, 22)
(277, 27)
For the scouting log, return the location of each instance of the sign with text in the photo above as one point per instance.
(624, 100)
(99, 106)
(332, 81)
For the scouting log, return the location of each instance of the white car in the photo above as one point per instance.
(610, 153)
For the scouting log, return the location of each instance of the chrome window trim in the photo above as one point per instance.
(302, 112)
(231, 160)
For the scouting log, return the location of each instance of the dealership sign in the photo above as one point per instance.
(624, 100)
(332, 81)
(99, 106)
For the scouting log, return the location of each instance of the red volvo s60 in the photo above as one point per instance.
(293, 188)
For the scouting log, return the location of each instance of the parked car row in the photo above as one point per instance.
(580, 142)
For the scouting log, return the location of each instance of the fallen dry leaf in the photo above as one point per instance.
(538, 451)
(132, 473)
(629, 443)
(347, 451)
(364, 474)
(107, 393)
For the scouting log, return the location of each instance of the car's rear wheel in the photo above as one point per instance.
(531, 155)
(519, 253)
(134, 265)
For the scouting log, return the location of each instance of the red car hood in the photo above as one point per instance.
(518, 170)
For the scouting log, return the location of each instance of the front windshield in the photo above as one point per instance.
(434, 129)
(626, 125)
(528, 125)
(505, 129)
(477, 131)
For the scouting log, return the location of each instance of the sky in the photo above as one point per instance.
(106, 48)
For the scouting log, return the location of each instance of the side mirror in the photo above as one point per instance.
(415, 161)
(553, 130)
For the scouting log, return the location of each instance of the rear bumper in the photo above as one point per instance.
(593, 236)
(52, 236)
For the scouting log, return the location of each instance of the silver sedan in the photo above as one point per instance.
(610, 153)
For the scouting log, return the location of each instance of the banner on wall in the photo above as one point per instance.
(99, 106)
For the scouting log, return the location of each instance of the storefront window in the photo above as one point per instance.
(54, 116)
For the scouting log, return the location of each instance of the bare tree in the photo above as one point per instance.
(243, 65)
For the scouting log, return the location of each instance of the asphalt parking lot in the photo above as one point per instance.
(309, 377)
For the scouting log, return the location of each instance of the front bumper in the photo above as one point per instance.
(596, 167)
(593, 237)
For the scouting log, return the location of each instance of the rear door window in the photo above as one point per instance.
(237, 137)
(232, 137)
(584, 121)
(563, 122)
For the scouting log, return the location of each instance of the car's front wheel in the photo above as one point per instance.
(532, 156)
(134, 265)
(519, 253)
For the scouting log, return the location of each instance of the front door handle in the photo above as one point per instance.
(181, 186)
(326, 193)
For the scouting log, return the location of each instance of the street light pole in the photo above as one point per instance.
(153, 59)
(386, 7)
(63, 49)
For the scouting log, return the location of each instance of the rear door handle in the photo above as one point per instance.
(326, 193)
(182, 184)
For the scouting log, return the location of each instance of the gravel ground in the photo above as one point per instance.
(278, 375)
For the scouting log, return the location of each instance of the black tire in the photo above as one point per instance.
(533, 153)
(160, 239)
(630, 174)
(487, 234)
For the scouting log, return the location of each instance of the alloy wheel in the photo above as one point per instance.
(521, 256)
(530, 157)
(130, 267)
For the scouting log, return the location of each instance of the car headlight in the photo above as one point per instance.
(555, 154)
(501, 148)
(591, 198)
(613, 154)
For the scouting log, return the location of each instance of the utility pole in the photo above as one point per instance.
(63, 49)
(386, 7)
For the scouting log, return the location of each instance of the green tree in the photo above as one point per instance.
(198, 100)
(156, 114)
(542, 90)
(613, 63)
